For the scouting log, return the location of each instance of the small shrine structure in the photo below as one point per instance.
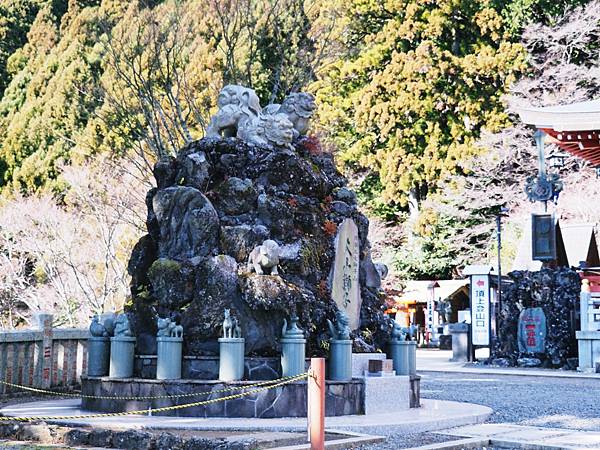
(575, 128)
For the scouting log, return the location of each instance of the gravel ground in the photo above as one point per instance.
(536, 401)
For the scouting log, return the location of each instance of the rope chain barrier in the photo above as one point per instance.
(150, 397)
(162, 409)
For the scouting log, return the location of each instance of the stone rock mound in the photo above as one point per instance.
(216, 201)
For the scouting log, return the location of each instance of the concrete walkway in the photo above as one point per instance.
(434, 360)
(515, 436)
(433, 415)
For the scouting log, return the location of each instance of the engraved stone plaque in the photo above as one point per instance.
(345, 288)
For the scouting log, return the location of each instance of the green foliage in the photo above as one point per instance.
(519, 13)
(418, 83)
(16, 17)
(46, 103)
(369, 193)
(84, 77)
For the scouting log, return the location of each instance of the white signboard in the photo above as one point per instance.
(345, 287)
(480, 308)
(430, 309)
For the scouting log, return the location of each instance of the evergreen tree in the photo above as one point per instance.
(418, 82)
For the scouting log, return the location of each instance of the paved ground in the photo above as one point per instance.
(432, 415)
(564, 401)
(558, 402)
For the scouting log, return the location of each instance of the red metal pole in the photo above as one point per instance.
(316, 404)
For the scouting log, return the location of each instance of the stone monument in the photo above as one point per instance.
(246, 219)
(345, 288)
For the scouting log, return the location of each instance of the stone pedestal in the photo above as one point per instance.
(412, 358)
(98, 356)
(360, 362)
(588, 343)
(168, 351)
(340, 360)
(400, 355)
(231, 359)
(460, 342)
(121, 356)
(391, 394)
(292, 356)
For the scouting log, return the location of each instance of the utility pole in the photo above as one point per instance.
(499, 216)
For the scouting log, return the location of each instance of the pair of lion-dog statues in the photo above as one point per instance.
(240, 115)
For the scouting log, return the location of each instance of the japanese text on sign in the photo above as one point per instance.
(480, 307)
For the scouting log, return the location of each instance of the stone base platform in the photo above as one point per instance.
(434, 415)
(290, 400)
(207, 367)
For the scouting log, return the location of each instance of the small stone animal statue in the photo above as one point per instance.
(237, 105)
(177, 331)
(275, 130)
(293, 332)
(398, 333)
(341, 331)
(108, 320)
(264, 258)
(298, 108)
(410, 332)
(168, 328)
(444, 308)
(227, 324)
(97, 329)
(164, 326)
(240, 115)
(122, 327)
(237, 330)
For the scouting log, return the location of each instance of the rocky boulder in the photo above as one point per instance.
(213, 204)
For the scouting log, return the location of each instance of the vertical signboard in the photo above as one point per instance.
(480, 307)
(430, 309)
(543, 237)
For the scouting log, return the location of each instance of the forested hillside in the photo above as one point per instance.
(413, 98)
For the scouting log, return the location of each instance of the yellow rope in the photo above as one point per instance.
(156, 410)
(108, 397)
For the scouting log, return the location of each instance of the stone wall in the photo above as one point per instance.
(207, 368)
(290, 400)
(43, 356)
(556, 291)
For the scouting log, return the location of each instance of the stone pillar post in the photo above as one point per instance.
(584, 304)
(461, 350)
(412, 358)
(169, 354)
(98, 356)
(121, 356)
(43, 322)
(399, 352)
(340, 360)
(231, 359)
(293, 350)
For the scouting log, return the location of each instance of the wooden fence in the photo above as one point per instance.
(42, 357)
